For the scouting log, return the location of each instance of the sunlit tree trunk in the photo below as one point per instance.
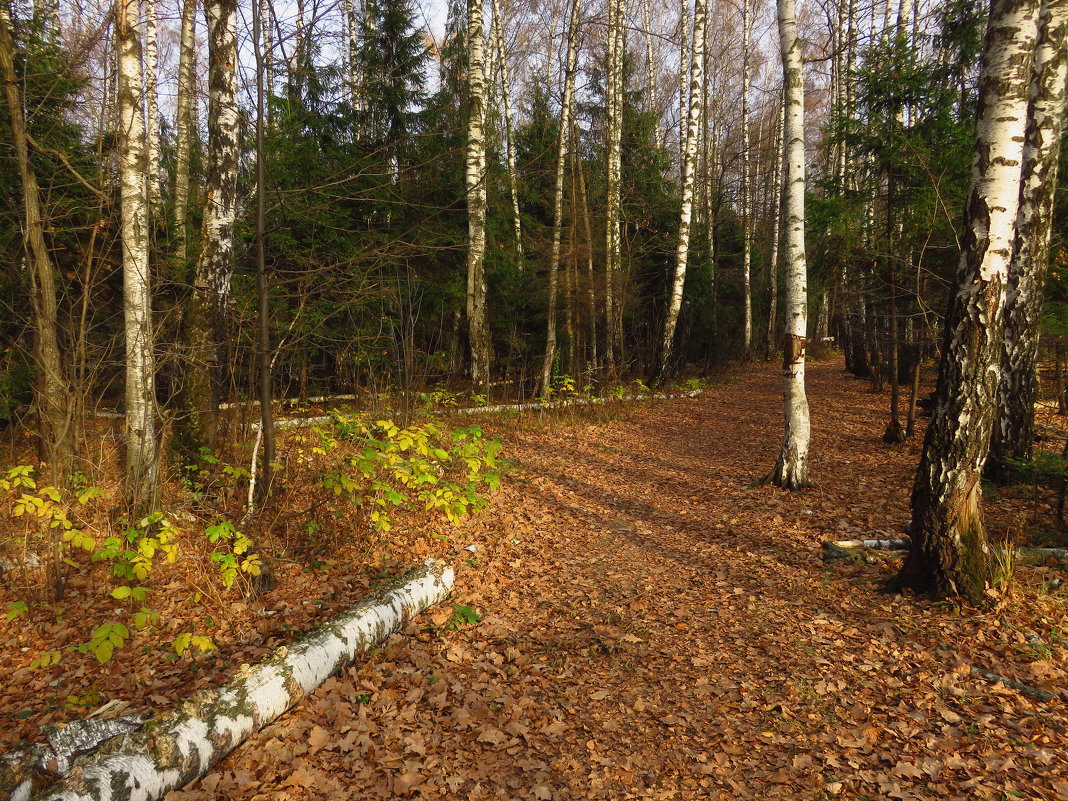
(558, 195)
(747, 232)
(949, 554)
(509, 127)
(205, 330)
(591, 278)
(773, 260)
(650, 73)
(155, 193)
(1014, 433)
(689, 164)
(613, 209)
(142, 448)
(185, 125)
(478, 331)
(52, 390)
(791, 469)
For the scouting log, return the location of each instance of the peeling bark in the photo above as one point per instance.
(185, 743)
(475, 177)
(949, 553)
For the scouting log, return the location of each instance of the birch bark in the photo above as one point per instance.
(205, 330)
(558, 195)
(1014, 432)
(184, 126)
(949, 554)
(155, 193)
(689, 160)
(791, 469)
(142, 449)
(747, 233)
(773, 261)
(613, 210)
(509, 126)
(478, 332)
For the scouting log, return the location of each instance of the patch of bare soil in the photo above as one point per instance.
(655, 626)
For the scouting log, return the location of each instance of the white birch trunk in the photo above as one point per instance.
(184, 744)
(1014, 432)
(689, 160)
(791, 468)
(773, 261)
(142, 449)
(475, 179)
(650, 73)
(613, 211)
(558, 195)
(185, 125)
(509, 126)
(747, 234)
(949, 553)
(155, 193)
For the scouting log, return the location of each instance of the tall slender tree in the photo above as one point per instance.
(185, 125)
(949, 554)
(142, 447)
(689, 169)
(791, 469)
(475, 179)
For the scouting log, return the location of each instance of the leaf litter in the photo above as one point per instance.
(656, 626)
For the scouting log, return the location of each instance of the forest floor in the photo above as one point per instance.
(656, 626)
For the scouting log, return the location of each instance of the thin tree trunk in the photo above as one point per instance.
(264, 316)
(1014, 432)
(613, 211)
(509, 126)
(558, 196)
(591, 278)
(747, 233)
(773, 262)
(791, 468)
(185, 126)
(142, 449)
(478, 331)
(52, 391)
(893, 432)
(205, 319)
(155, 193)
(689, 163)
(949, 554)
(650, 74)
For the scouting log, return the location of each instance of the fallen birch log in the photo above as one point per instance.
(851, 550)
(1019, 686)
(182, 745)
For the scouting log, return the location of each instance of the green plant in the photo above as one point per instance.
(463, 615)
(237, 558)
(419, 466)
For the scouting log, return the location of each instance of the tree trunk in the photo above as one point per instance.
(613, 210)
(949, 554)
(185, 125)
(1014, 432)
(478, 330)
(773, 261)
(205, 330)
(184, 744)
(747, 234)
(155, 194)
(142, 449)
(509, 127)
(52, 391)
(689, 165)
(791, 468)
(558, 196)
(591, 278)
(650, 74)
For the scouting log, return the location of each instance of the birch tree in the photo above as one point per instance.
(1014, 433)
(747, 233)
(949, 554)
(791, 469)
(509, 127)
(558, 194)
(185, 124)
(155, 193)
(773, 260)
(689, 165)
(204, 325)
(478, 330)
(142, 449)
(613, 205)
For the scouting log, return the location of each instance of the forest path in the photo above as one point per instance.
(654, 626)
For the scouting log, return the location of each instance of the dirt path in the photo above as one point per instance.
(655, 627)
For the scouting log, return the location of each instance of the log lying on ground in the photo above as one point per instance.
(861, 551)
(1019, 686)
(305, 422)
(179, 746)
